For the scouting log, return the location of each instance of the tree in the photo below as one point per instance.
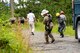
(12, 7)
(37, 6)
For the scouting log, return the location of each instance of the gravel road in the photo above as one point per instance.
(61, 45)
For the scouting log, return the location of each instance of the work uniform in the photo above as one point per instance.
(61, 21)
(48, 28)
(31, 19)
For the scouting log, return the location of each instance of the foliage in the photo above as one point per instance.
(53, 6)
(4, 12)
(11, 40)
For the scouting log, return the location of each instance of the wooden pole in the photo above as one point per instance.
(12, 8)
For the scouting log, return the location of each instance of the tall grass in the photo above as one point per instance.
(12, 34)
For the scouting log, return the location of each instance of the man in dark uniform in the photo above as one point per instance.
(48, 25)
(61, 20)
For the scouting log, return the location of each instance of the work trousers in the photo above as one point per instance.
(60, 29)
(48, 34)
(31, 26)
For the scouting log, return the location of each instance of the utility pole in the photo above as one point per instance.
(12, 7)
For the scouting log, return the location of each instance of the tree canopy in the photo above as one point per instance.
(54, 6)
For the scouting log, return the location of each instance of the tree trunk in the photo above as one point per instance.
(12, 7)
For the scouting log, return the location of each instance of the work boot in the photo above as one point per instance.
(62, 35)
(47, 43)
(32, 33)
(52, 41)
(47, 40)
(51, 36)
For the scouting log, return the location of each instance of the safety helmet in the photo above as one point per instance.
(44, 11)
(62, 12)
(57, 14)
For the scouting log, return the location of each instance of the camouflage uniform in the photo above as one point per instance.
(48, 28)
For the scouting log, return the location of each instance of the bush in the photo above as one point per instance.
(11, 41)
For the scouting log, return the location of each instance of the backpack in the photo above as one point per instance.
(62, 19)
(49, 24)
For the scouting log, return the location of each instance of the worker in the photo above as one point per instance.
(48, 25)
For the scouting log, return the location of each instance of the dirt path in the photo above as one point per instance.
(61, 45)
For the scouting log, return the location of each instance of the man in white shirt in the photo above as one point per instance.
(31, 20)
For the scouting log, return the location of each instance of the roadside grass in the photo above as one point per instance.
(68, 30)
(39, 26)
(11, 40)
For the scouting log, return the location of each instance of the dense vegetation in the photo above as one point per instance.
(4, 12)
(53, 6)
(11, 40)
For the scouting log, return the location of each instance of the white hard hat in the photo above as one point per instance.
(44, 12)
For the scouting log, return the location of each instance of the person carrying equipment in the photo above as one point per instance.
(48, 25)
(61, 20)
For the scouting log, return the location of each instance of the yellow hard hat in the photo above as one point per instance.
(57, 14)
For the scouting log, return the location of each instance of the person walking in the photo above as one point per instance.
(48, 25)
(61, 20)
(31, 20)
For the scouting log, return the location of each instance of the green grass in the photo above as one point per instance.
(39, 26)
(68, 31)
(13, 35)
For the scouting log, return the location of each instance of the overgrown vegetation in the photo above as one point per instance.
(4, 12)
(11, 39)
(53, 6)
